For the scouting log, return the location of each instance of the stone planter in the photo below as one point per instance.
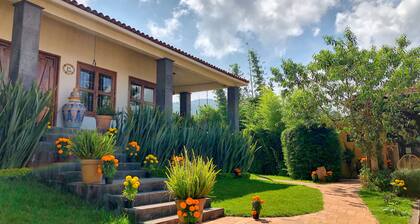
(103, 122)
(201, 205)
(90, 174)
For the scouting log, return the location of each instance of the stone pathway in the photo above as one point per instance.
(342, 205)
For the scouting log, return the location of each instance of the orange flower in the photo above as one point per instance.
(60, 151)
(192, 208)
(183, 205)
(196, 202)
(197, 215)
(179, 213)
(190, 201)
(256, 198)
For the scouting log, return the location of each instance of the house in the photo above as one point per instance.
(61, 45)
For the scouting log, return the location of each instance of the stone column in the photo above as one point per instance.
(25, 43)
(233, 107)
(185, 104)
(164, 87)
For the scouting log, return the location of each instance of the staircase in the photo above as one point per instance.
(153, 203)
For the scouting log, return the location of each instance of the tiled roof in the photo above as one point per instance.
(154, 40)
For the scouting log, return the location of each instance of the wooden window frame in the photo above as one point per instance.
(143, 84)
(96, 92)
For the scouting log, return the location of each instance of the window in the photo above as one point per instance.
(141, 92)
(97, 87)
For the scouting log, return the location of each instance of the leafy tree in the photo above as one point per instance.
(208, 113)
(257, 72)
(291, 76)
(221, 101)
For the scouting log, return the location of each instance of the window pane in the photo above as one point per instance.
(104, 101)
(87, 99)
(135, 92)
(87, 79)
(105, 83)
(148, 95)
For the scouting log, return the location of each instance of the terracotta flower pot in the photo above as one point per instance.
(256, 216)
(90, 174)
(201, 204)
(103, 122)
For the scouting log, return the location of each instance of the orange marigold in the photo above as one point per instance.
(179, 213)
(197, 215)
(183, 205)
(190, 201)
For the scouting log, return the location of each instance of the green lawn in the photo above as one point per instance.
(23, 201)
(375, 202)
(235, 194)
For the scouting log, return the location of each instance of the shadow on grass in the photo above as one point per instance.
(229, 187)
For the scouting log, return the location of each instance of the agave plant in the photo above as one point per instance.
(92, 145)
(166, 135)
(23, 120)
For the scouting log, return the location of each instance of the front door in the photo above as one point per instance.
(47, 78)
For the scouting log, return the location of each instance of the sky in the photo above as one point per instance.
(222, 31)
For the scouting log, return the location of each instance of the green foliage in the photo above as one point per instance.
(291, 76)
(207, 112)
(306, 147)
(105, 110)
(411, 179)
(193, 177)
(15, 172)
(257, 72)
(165, 135)
(23, 120)
(92, 145)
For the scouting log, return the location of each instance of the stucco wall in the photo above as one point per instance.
(73, 45)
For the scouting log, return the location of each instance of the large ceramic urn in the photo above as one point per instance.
(73, 111)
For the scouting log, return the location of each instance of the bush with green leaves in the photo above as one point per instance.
(193, 177)
(92, 145)
(165, 135)
(306, 147)
(23, 121)
(411, 179)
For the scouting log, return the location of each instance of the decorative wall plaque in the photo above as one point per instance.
(68, 69)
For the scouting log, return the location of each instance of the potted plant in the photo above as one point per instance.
(63, 148)
(150, 164)
(103, 117)
(133, 149)
(131, 188)
(256, 207)
(90, 146)
(109, 167)
(190, 181)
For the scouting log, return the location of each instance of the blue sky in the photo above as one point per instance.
(221, 31)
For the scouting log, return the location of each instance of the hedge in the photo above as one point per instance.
(306, 147)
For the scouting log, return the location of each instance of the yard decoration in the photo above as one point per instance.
(256, 207)
(131, 188)
(63, 148)
(109, 167)
(90, 147)
(150, 163)
(73, 111)
(103, 117)
(190, 182)
(133, 150)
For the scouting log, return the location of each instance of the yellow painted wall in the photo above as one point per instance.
(73, 45)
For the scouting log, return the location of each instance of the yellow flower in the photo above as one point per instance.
(136, 185)
(135, 178)
(125, 183)
(128, 178)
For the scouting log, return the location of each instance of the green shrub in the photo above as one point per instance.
(165, 135)
(92, 145)
(306, 147)
(21, 123)
(411, 179)
(15, 172)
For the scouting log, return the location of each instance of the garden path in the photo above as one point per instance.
(342, 205)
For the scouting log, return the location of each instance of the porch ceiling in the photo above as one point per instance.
(185, 80)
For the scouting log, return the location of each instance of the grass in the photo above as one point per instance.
(375, 202)
(234, 194)
(24, 200)
(282, 178)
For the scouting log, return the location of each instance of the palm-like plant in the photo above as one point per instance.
(92, 145)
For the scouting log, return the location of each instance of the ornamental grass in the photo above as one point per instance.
(194, 177)
(92, 145)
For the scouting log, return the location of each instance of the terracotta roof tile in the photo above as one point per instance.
(141, 34)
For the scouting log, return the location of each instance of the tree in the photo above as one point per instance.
(291, 76)
(221, 101)
(257, 72)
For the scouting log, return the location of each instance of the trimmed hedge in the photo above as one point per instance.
(306, 147)
(411, 179)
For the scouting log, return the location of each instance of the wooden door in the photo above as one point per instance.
(47, 78)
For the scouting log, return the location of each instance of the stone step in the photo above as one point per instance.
(52, 137)
(74, 176)
(115, 202)
(208, 215)
(155, 211)
(100, 192)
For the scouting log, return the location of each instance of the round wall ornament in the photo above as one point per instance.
(68, 69)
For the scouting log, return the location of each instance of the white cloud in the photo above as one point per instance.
(223, 25)
(84, 2)
(170, 27)
(316, 31)
(377, 22)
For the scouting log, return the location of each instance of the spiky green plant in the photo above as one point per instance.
(23, 120)
(165, 135)
(193, 177)
(92, 145)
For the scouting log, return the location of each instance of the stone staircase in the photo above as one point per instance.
(153, 203)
